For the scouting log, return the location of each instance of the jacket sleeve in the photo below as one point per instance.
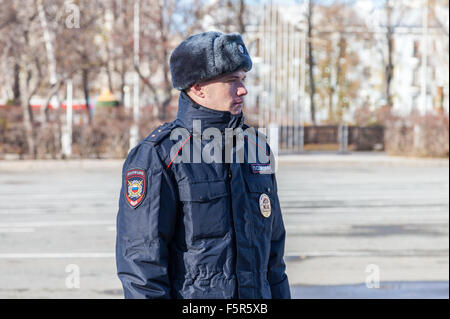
(144, 232)
(278, 280)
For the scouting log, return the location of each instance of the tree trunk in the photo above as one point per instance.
(109, 76)
(339, 75)
(165, 104)
(28, 118)
(389, 69)
(166, 69)
(122, 89)
(85, 79)
(29, 128)
(16, 85)
(312, 86)
(53, 91)
(330, 103)
(241, 17)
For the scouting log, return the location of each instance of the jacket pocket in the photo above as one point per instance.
(257, 186)
(206, 208)
(262, 183)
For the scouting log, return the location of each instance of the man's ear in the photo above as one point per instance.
(197, 90)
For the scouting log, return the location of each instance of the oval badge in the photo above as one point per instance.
(135, 187)
(264, 205)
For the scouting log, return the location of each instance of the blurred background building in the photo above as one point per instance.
(317, 63)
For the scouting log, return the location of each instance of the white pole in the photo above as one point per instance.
(296, 93)
(285, 84)
(292, 88)
(424, 69)
(303, 90)
(262, 46)
(273, 63)
(48, 44)
(50, 52)
(67, 131)
(134, 130)
(279, 57)
(127, 97)
(281, 86)
(301, 97)
(269, 87)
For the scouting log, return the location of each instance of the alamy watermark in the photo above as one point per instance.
(373, 279)
(73, 278)
(73, 18)
(215, 146)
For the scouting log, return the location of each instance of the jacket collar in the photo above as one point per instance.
(188, 111)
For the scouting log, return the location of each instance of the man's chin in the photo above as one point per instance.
(236, 110)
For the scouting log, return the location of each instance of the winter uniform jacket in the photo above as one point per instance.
(196, 230)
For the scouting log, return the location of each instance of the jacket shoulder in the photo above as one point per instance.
(160, 140)
(146, 152)
(160, 133)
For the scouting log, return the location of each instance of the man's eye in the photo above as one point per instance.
(236, 81)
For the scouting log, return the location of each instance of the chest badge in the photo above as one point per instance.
(264, 205)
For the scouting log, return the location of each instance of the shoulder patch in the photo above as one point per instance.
(135, 187)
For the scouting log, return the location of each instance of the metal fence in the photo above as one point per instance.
(341, 138)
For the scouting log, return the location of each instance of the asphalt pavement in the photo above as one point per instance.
(358, 226)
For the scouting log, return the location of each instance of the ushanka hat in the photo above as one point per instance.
(204, 56)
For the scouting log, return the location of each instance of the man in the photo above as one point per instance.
(201, 229)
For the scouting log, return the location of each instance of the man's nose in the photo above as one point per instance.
(242, 91)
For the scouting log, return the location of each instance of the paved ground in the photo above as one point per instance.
(386, 290)
(350, 220)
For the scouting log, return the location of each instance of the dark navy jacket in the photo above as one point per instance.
(195, 230)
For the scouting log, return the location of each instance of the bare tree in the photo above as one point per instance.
(158, 40)
(229, 15)
(394, 13)
(337, 20)
(116, 43)
(85, 44)
(20, 33)
(8, 17)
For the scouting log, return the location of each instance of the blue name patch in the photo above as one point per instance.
(261, 168)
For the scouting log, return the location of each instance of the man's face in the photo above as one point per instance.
(224, 93)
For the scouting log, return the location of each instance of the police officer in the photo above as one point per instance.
(195, 229)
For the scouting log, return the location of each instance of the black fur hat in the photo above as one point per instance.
(204, 56)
